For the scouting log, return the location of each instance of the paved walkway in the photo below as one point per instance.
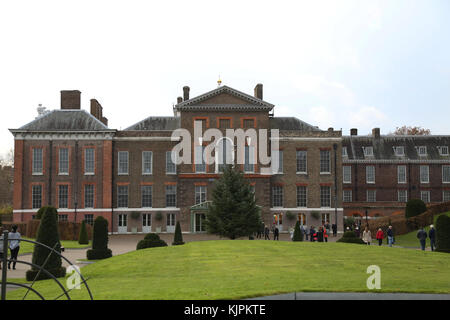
(354, 296)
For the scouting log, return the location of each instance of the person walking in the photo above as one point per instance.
(266, 233)
(276, 233)
(14, 246)
(1, 247)
(390, 235)
(380, 236)
(306, 233)
(367, 236)
(422, 236)
(432, 236)
(334, 228)
(320, 235)
(358, 234)
(325, 234)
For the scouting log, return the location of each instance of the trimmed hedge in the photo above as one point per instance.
(47, 235)
(83, 237)
(100, 240)
(350, 237)
(414, 207)
(443, 233)
(298, 234)
(178, 238)
(151, 240)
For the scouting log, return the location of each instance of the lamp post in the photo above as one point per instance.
(367, 219)
(335, 185)
(76, 204)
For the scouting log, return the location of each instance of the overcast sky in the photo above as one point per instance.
(336, 63)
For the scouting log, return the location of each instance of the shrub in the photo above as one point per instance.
(350, 237)
(443, 233)
(47, 235)
(414, 207)
(151, 240)
(99, 240)
(178, 238)
(83, 237)
(298, 234)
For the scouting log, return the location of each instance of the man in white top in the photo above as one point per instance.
(14, 246)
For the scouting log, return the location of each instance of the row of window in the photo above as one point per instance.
(402, 195)
(424, 174)
(400, 151)
(302, 198)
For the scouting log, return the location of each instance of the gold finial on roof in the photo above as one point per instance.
(219, 82)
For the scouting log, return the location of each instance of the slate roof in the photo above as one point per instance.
(156, 123)
(253, 102)
(384, 147)
(65, 120)
(291, 123)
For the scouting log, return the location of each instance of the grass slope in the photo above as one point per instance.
(410, 239)
(241, 268)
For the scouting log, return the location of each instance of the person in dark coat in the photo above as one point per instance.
(320, 235)
(390, 236)
(422, 236)
(432, 236)
(311, 234)
(266, 233)
(334, 228)
(276, 233)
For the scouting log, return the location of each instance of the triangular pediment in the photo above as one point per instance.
(224, 97)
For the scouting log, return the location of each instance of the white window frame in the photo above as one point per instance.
(151, 196)
(306, 196)
(399, 175)
(349, 195)
(373, 193)
(347, 175)
(174, 172)
(35, 169)
(128, 196)
(86, 160)
(167, 187)
(250, 151)
(321, 160)
(421, 174)
(60, 172)
(425, 192)
(422, 148)
(201, 191)
(119, 160)
(397, 149)
(280, 194)
(344, 152)
(306, 161)
(444, 192)
(441, 148)
(366, 151)
(368, 181)
(93, 195)
(322, 188)
(146, 162)
(399, 196)
(443, 174)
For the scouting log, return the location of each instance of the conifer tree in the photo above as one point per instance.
(178, 238)
(298, 235)
(233, 212)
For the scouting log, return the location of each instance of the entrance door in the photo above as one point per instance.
(123, 223)
(146, 223)
(278, 221)
(302, 219)
(199, 222)
(170, 226)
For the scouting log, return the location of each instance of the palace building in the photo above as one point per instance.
(70, 159)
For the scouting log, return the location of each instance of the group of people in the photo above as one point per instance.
(367, 236)
(422, 236)
(265, 231)
(309, 234)
(14, 246)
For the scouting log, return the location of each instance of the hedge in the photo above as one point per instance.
(151, 240)
(443, 233)
(99, 241)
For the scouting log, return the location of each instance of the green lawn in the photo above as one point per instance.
(233, 269)
(410, 239)
(27, 247)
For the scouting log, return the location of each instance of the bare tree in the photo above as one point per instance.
(411, 131)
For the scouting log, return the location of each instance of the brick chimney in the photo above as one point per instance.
(97, 111)
(376, 133)
(354, 132)
(259, 91)
(70, 99)
(186, 90)
(179, 100)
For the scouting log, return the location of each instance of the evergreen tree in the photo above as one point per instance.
(298, 234)
(99, 240)
(83, 237)
(233, 212)
(178, 238)
(443, 233)
(414, 207)
(48, 235)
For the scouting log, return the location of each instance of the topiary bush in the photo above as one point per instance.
(99, 240)
(414, 207)
(83, 237)
(178, 238)
(298, 234)
(151, 240)
(443, 233)
(350, 237)
(48, 235)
